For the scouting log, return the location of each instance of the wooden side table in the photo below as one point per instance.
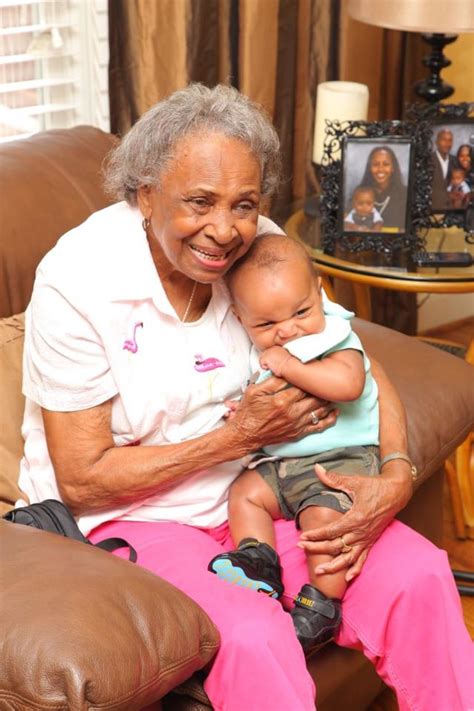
(363, 277)
(427, 280)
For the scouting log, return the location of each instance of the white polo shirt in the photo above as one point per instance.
(100, 326)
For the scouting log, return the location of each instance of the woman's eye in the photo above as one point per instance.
(199, 202)
(245, 207)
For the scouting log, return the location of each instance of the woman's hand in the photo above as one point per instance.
(376, 500)
(271, 412)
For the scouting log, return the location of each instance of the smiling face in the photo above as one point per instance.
(381, 167)
(464, 157)
(276, 305)
(203, 214)
(444, 142)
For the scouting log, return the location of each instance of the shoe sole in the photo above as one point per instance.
(233, 574)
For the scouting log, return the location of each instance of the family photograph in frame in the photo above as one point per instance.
(453, 166)
(375, 188)
(376, 177)
(452, 160)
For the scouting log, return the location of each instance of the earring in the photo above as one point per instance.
(145, 224)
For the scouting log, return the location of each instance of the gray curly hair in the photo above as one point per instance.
(146, 149)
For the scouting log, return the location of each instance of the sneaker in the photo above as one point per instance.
(253, 565)
(316, 617)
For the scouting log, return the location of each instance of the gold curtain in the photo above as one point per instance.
(275, 51)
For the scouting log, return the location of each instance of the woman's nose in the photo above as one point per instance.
(221, 226)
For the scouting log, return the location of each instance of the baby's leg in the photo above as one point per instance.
(255, 563)
(330, 584)
(317, 612)
(252, 509)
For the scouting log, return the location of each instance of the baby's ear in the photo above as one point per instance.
(319, 283)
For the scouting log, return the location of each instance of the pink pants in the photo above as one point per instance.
(403, 612)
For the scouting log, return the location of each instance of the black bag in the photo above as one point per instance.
(55, 517)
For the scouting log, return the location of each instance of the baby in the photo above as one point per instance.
(364, 216)
(300, 336)
(458, 189)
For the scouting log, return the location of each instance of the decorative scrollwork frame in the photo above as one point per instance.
(409, 240)
(446, 115)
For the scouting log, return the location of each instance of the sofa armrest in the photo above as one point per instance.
(82, 628)
(436, 388)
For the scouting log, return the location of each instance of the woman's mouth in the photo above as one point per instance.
(211, 259)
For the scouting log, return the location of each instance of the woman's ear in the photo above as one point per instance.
(143, 200)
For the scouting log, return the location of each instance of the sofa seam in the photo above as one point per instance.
(162, 675)
(107, 705)
(14, 338)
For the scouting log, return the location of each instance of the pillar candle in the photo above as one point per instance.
(341, 100)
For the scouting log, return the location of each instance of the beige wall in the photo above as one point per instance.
(461, 72)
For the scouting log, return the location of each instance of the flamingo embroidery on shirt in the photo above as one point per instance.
(203, 365)
(130, 344)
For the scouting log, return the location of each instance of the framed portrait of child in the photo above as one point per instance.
(375, 184)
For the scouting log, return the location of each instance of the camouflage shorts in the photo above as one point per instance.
(296, 486)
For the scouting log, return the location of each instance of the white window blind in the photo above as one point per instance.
(54, 59)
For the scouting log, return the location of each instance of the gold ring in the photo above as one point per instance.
(345, 548)
(314, 418)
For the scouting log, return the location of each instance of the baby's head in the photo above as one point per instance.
(363, 199)
(275, 291)
(458, 176)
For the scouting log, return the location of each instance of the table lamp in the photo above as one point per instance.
(439, 21)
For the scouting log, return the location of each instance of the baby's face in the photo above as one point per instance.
(457, 177)
(279, 305)
(363, 202)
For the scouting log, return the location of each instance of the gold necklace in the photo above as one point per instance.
(183, 320)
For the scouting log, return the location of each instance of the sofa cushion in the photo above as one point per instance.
(436, 388)
(86, 629)
(49, 183)
(11, 410)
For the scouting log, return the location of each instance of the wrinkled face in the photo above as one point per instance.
(457, 177)
(444, 142)
(278, 305)
(363, 202)
(204, 212)
(381, 167)
(464, 157)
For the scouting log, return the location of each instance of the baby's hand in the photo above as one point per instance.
(274, 359)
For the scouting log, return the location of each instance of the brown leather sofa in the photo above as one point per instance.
(81, 629)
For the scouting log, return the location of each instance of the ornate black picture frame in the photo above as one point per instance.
(349, 150)
(452, 157)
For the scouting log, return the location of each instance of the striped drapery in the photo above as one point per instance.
(275, 51)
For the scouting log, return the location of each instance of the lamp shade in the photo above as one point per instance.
(341, 100)
(429, 16)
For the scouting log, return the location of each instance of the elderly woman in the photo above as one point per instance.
(131, 351)
(383, 174)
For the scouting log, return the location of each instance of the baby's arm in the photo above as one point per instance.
(338, 377)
